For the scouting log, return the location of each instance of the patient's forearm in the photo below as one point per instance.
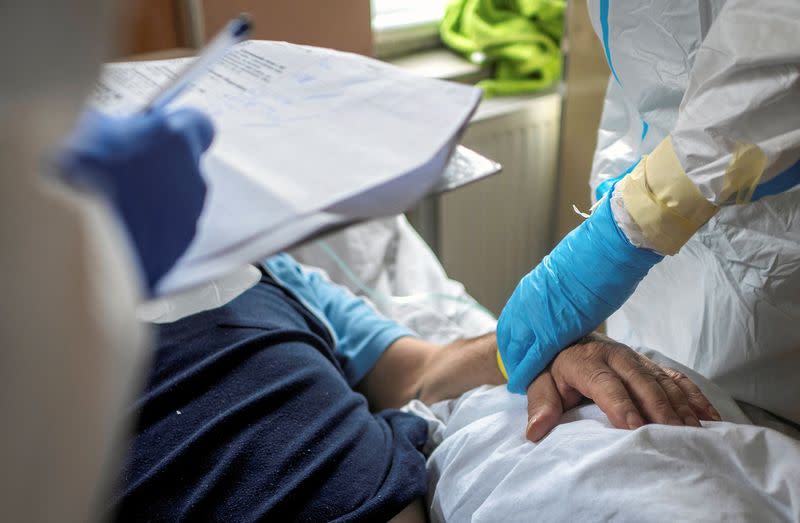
(412, 368)
(458, 367)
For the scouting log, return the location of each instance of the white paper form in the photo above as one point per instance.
(300, 130)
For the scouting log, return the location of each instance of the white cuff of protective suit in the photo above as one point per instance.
(661, 207)
(626, 223)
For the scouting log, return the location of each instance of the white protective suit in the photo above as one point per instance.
(718, 83)
(70, 348)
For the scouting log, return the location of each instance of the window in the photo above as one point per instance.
(404, 26)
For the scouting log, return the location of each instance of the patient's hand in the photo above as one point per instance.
(628, 387)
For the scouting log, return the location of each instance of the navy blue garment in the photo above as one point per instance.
(248, 417)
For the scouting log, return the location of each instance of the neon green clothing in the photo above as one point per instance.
(521, 38)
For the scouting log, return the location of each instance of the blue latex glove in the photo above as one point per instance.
(147, 166)
(587, 277)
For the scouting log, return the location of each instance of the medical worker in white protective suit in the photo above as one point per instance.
(84, 222)
(696, 175)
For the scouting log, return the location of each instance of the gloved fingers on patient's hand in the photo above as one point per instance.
(546, 404)
(697, 400)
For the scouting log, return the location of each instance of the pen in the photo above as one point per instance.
(234, 32)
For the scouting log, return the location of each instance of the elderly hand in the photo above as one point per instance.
(629, 388)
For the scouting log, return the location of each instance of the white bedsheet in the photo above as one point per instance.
(483, 469)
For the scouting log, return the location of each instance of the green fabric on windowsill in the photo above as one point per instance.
(520, 38)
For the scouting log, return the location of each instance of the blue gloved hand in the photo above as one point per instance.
(147, 166)
(587, 277)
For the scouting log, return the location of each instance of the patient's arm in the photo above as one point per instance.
(413, 368)
(628, 387)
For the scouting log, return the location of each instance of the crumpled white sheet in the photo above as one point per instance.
(483, 469)
(392, 260)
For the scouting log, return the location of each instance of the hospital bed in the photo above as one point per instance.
(481, 467)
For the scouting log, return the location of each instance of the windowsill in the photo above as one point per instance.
(444, 64)
(398, 41)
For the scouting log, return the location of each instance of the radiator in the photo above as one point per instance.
(488, 235)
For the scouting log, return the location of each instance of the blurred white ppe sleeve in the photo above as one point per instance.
(739, 116)
(71, 350)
